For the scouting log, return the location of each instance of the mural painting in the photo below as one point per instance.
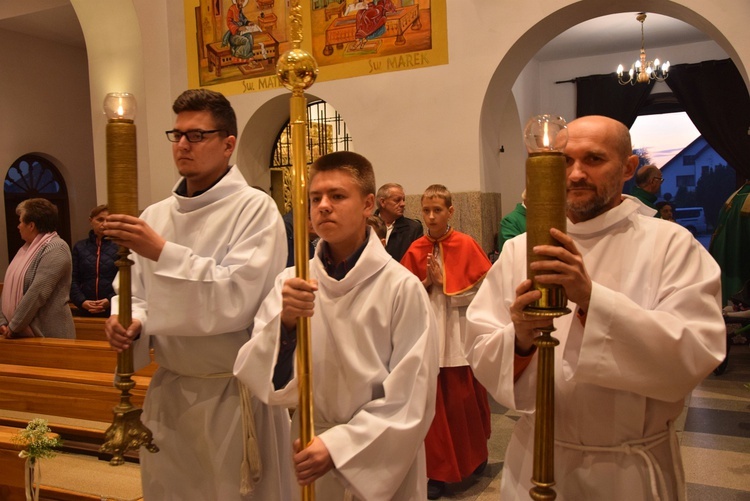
(233, 45)
(238, 39)
(350, 30)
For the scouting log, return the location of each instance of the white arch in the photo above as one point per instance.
(500, 124)
(258, 138)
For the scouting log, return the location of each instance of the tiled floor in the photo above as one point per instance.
(715, 441)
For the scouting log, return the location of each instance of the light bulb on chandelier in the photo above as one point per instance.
(643, 71)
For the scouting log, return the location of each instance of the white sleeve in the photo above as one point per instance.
(490, 339)
(660, 350)
(228, 291)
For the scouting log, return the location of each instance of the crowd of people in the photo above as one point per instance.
(412, 327)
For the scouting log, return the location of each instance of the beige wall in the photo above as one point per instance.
(44, 109)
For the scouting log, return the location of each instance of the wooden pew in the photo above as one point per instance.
(63, 381)
(85, 355)
(90, 328)
(12, 475)
(63, 377)
(63, 392)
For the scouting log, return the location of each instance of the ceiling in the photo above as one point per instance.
(57, 20)
(618, 33)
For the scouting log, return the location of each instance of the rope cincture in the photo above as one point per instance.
(251, 468)
(642, 448)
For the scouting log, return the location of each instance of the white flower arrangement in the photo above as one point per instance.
(36, 442)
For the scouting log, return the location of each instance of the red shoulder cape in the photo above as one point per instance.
(464, 261)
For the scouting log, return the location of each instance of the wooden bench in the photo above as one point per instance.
(68, 382)
(79, 354)
(12, 475)
(90, 328)
(63, 377)
(69, 393)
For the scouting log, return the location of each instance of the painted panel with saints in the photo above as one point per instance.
(233, 45)
(239, 39)
(348, 30)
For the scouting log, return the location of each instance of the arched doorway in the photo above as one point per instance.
(33, 176)
(326, 132)
(523, 85)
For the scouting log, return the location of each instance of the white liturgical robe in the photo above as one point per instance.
(197, 304)
(652, 332)
(374, 374)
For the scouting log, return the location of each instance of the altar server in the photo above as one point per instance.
(374, 348)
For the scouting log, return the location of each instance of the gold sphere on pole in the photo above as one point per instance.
(297, 69)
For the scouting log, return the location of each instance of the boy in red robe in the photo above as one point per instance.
(451, 266)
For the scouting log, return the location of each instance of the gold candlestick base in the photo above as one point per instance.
(126, 432)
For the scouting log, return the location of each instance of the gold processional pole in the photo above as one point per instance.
(297, 71)
(126, 431)
(545, 138)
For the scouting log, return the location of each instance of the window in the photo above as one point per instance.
(665, 136)
(687, 181)
(33, 176)
(326, 133)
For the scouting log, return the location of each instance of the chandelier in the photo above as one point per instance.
(643, 71)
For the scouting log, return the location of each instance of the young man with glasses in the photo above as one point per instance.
(204, 258)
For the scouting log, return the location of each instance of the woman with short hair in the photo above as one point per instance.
(37, 282)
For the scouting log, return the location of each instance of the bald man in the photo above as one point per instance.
(648, 181)
(647, 329)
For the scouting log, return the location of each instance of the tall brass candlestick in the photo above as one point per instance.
(297, 71)
(126, 432)
(545, 208)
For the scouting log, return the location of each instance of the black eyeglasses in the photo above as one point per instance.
(193, 136)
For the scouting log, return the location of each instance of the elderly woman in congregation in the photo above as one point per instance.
(37, 282)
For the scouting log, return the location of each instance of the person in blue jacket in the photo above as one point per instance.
(94, 268)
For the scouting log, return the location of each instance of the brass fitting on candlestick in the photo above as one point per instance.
(545, 137)
(126, 432)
